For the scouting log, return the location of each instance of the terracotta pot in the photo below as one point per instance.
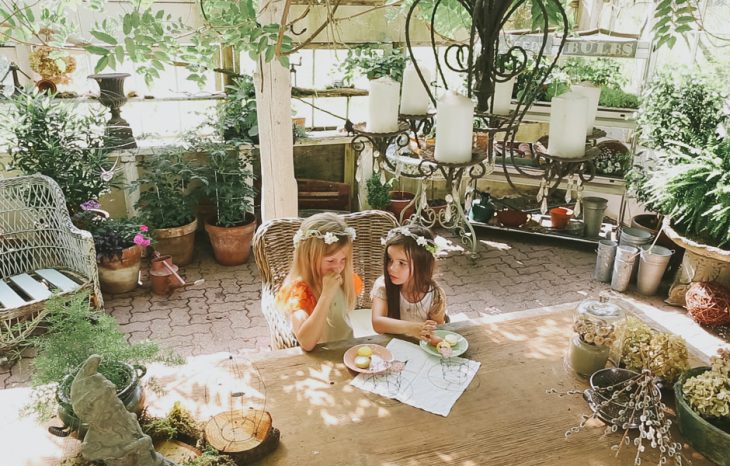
(176, 242)
(398, 201)
(231, 245)
(512, 218)
(651, 223)
(560, 217)
(120, 274)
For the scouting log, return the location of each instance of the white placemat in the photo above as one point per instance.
(426, 382)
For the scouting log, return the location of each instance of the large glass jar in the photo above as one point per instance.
(598, 327)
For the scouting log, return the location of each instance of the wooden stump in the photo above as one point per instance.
(245, 436)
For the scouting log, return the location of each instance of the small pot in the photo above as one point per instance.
(560, 217)
(512, 218)
(231, 245)
(398, 202)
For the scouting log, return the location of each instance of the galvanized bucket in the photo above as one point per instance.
(593, 210)
(623, 266)
(635, 237)
(606, 254)
(652, 264)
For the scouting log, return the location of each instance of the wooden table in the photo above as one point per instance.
(506, 416)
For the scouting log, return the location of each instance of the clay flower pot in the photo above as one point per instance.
(231, 245)
(560, 217)
(120, 274)
(398, 202)
(512, 218)
(177, 242)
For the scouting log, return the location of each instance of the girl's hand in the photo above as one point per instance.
(330, 283)
(426, 330)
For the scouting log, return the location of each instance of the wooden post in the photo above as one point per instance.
(273, 103)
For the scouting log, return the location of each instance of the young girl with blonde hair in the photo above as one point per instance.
(406, 299)
(321, 288)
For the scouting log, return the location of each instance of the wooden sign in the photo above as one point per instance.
(600, 48)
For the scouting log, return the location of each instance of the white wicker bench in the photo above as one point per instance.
(42, 254)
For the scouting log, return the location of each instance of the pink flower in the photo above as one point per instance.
(141, 240)
(144, 228)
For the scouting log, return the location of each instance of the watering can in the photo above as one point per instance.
(164, 276)
(484, 210)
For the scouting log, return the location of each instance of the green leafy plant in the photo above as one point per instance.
(229, 183)
(603, 72)
(75, 332)
(47, 136)
(378, 192)
(373, 62)
(168, 197)
(617, 98)
(236, 118)
(693, 187)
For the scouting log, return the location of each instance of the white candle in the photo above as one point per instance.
(414, 99)
(593, 94)
(383, 105)
(454, 128)
(568, 120)
(503, 97)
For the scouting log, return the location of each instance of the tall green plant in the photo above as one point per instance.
(229, 184)
(374, 63)
(168, 196)
(237, 118)
(51, 137)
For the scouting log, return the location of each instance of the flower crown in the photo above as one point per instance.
(428, 244)
(328, 237)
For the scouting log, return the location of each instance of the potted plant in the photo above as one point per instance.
(229, 184)
(47, 136)
(378, 192)
(118, 244)
(75, 332)
(167, 202)
(703, 408)
(54, 66)
(373, 62)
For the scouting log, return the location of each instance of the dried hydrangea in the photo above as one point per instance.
(636, 339)
(721, 362)
(708, 394)
(667, 356)
(55, 69)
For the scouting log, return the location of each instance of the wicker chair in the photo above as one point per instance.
(274, 250)
(42, 254)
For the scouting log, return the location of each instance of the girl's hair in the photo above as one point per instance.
(309, 252)
(421, 261)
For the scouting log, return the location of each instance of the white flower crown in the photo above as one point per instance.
(432, 246)
(328, 237)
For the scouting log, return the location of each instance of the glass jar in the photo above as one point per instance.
(598, 327)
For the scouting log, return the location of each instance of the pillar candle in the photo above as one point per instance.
(593, 94)
(414, 99)
(454, 128)
(503, 97)
(568, 120)
(383, 105)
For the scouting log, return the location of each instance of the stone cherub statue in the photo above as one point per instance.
(114, 435)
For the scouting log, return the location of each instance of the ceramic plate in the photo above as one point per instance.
(457, 350)
(379, 361)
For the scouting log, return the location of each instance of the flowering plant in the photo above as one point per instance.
(111, 235)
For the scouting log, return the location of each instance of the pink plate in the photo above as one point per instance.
(379, 361)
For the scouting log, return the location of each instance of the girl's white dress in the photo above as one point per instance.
(413, 312)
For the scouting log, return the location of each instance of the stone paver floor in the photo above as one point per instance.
(512, 273)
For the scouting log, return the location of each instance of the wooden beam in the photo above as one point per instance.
(273, 99)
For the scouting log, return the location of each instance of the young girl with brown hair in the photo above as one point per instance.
(321, 288)
(406, 299)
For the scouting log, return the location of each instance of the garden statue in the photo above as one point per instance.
(114, 435)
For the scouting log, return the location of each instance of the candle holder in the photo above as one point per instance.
(379, 142)
(453, 216)
(419, 124)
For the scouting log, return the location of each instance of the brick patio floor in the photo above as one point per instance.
(512, 273)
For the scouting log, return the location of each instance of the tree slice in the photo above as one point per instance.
(245, 435)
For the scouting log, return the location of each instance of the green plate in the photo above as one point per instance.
(458, 350)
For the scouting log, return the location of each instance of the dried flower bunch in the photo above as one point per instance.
(52, 64)
(664, 354)
(594, 331)
(641, 403)
(708, 393)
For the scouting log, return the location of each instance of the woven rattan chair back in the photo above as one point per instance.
(274, 250)
(36, 233)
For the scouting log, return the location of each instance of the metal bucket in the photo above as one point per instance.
(604, 260)
(593, 210)
(623, 266)
(652, 264)
(635, 237)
